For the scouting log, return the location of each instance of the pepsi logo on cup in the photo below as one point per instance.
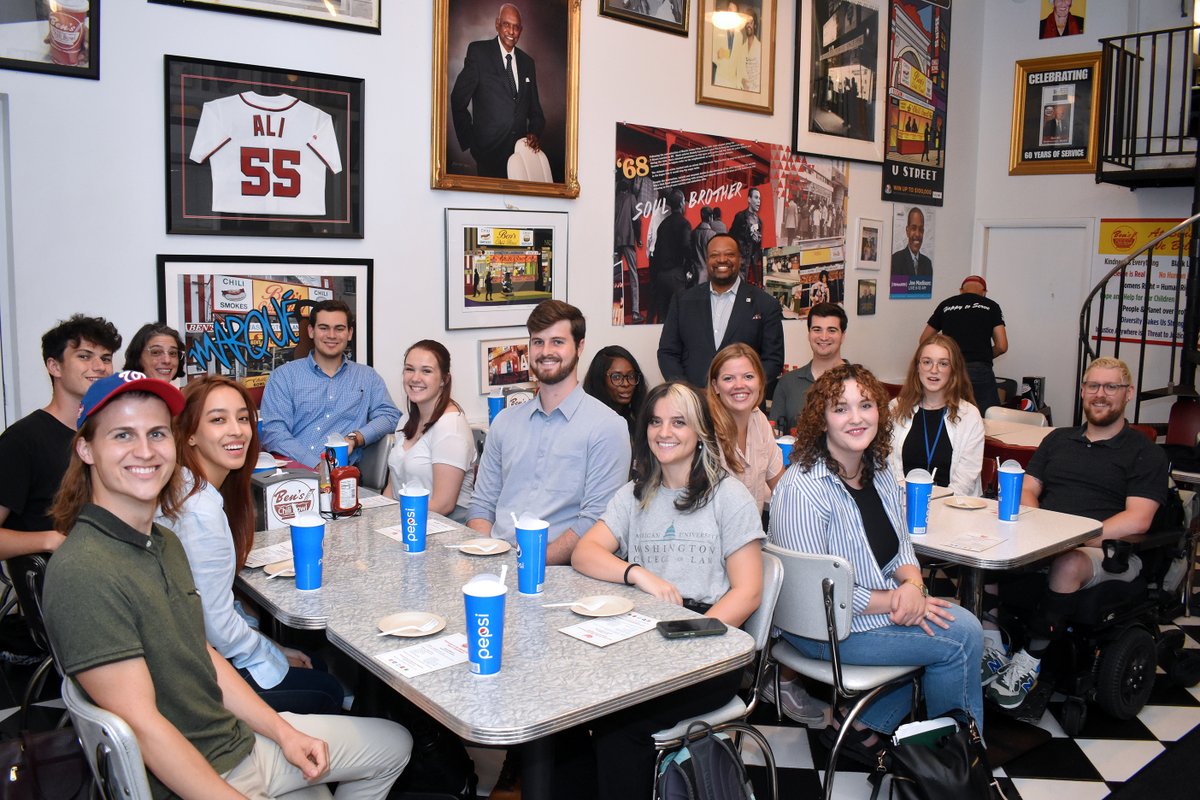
(410, 524)
(483, 630)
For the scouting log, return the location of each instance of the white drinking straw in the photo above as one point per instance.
(933, 476)
(503, 574)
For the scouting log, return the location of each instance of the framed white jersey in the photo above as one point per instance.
(268, 154)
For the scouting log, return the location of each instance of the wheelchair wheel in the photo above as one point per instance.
(1074, 715)
(1127, 673)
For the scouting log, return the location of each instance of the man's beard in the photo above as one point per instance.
(553, 376)
(1105, 417)
(723, 283)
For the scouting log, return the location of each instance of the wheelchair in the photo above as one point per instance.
(1109, 653)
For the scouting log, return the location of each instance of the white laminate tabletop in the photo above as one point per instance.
(1036, 534)
(549, 681)
(1015, 433)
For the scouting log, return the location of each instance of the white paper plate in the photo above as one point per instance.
(610, 607)
(966, 503)
(484, 547)
(415, 619)
(284, 569)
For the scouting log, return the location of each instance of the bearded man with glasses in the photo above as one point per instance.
(1104, 470)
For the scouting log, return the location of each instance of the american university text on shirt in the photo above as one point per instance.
(268, 155)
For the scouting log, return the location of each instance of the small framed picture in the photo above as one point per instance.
(257, 151)
(1055, 113)
(866, 298)
(504, 363)
(500, 264)
(870, 235)
(357, 15)
(735, 54)
(665, 15)
(60, 37)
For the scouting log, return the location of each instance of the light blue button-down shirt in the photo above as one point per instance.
(562, 467)
(813, 512)
(721, 304)
(302, 406)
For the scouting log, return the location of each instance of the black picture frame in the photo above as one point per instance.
(200, 296)
(264, 8)
(616, 9)
(264, 173)
(31, 46)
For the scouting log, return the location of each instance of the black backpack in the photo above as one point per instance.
(707, 767)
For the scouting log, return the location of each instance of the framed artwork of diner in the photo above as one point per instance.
(866, 297)
(665, 15)
(870, 237)
(735, 55)
(357, 15)
(259, 151)
(242, 316)
(1055, 112)
(501, 263)
(506, 97)
(60, 37)
(504, 363)
(840, 79)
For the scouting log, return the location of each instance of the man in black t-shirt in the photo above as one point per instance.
(976, 323)
(1104, 470)
(35, 450)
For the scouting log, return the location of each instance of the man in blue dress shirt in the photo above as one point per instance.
(560, 457)
(326, 393)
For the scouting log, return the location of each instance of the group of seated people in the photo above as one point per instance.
(143, 494)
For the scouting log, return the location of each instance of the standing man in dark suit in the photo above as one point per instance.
(910, 260)
(712, 315)
(499, 84)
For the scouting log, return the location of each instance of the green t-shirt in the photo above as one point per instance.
(113, 594)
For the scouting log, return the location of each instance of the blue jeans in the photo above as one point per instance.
(302, 691)
(983, 382)
(951, 659)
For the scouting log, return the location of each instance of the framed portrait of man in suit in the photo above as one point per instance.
(1056, 108)
(506, 96)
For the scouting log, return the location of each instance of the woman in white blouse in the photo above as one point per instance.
(436, 449)
(936, 424)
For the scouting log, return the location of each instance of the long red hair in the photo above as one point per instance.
(239, 502)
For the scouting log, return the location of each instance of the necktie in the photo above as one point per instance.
(512, 79)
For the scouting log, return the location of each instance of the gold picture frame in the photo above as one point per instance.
(1055, 129)
(720, 69)
(547, 66)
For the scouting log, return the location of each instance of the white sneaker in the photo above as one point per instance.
(798, 704)
(1016, 681)
(993, 663)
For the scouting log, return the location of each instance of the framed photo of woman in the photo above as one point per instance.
(735, 54)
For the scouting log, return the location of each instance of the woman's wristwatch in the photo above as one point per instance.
(920, 585)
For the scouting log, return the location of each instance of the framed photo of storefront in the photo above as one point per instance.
(260, 151)
(504, 363)
(1055, 113)
(358, 15)
(500, 264)
(60, 38)
(735, 54)
(840, 79)
(242, 316)
(506, 97)
(665, 15)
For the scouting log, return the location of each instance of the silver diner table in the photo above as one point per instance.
(549, 681)
(1036, 534)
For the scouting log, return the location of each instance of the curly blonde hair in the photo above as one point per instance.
(812, 443)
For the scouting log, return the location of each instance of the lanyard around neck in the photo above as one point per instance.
(930, 449)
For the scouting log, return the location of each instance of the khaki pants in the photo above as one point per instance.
(365, 758)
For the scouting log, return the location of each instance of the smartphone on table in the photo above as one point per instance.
(686, 628)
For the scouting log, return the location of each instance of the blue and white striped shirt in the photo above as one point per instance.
(813, 512)
(302, 405)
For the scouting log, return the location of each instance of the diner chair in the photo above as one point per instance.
(815, 603)
(1183, 424)
(1145, 430)
(110, 747)
(733, 715)
(995, 449)
(1017, 415)
(374, 463)
(28, 574)
(893, 389)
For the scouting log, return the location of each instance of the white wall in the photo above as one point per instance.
(88, 174)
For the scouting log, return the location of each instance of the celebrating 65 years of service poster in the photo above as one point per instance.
(675, 190)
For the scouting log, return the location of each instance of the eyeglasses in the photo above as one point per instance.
(158, 352)
(929, 363)
(619, 379)
(1091, 387)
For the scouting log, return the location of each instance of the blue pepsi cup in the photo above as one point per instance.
(308, 551)
(918, 488)
(414, 517)
(1010, 477)
(786, 443)
(484, 597)
(495, 406)
(532, 537)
